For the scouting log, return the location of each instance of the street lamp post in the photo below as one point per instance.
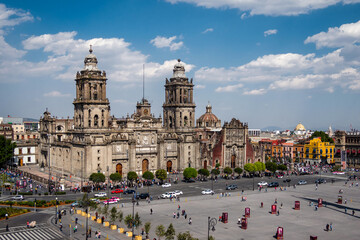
(108, 187)
(253, 181)
(211, 225)
(56, 210)
(133, 219)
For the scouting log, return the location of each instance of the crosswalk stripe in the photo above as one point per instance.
(33, 234)
(16, 236)
(46, 234)
(22, 235)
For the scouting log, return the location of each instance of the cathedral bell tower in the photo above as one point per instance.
(91, 107)
(179, 107)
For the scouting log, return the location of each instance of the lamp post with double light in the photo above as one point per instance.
(211, 225)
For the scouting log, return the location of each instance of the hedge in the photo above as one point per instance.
(60, 193)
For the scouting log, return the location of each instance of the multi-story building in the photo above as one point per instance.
(26, 153)
(7, 131)
(347, 143)
(317, 152)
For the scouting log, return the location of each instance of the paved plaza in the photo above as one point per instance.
(297, 224)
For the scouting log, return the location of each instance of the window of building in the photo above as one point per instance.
(29, 150)
(20, 151)
(96, 119)
(29, 159)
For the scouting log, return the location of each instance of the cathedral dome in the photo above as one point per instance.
(90, 61)
(208, 119)
(299, 127)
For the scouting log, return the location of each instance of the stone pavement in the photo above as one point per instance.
(297, 224)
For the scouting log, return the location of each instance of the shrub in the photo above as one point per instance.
(25, 193)
(60, 193)
(46, 193)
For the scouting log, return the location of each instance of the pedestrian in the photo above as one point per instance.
(151, 211)
(353, 212)
(346, 210)
(174, 214)
(89, 232)
(96, 234)
(75, 228)
(331, 226)
(316, 187)
(185, 216)
(99, 233)
(327, 227)
(190, 221)
(278, 212)
(178, 207)
(281, 205)
(61, 226)
(345, 201)
(7, 227)
(27, 224)
(178, 215)
(275, 200)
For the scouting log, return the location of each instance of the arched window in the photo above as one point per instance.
(185, 121)
(170, 122)
(96, 120)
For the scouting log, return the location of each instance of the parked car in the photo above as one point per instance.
(76, 204)
(302, 182)
(115, 199)
(262, 183)
(109, 201)
(18, 197)
(207, 192)
(178, 192)
(279, 176)
(95, 200)
(100, 194)
(166, 195)
(273, 184)
(117, 191)
(287, 180)
(320, 180)
(232, 187)
(166, 185)
(129, 191)
(142, 196)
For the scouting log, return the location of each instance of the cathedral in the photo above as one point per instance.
(95, 141)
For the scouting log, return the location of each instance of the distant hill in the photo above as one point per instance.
(271, 128)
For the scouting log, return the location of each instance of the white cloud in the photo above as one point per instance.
(56, 94)
(260, 91)
(346, 34)
(208, 30)
(11, 17)
(229, 88)
(268, 7)
(163, 42)
(270, 32)
(199, 86)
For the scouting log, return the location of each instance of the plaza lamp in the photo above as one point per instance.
(211, 225)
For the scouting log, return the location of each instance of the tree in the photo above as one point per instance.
(161, 174)
(131, 176)
(190, 173)
(324, 137)
(227, 170)
(250, 168)
(185, 236)
(260, 166)
(113, 215)
(148, 175)
(137, 221)
(336, 168)
(105, 210)
(97, 178)
(128, 221)
(6, 150)
(147, 227)
(282, 167)
(238, 170)
(204, 172)
(120, 216)
(85, 202)
(116, 177)
(160, 231)
(217, 165)
(271, 166)
(215, 171)
(170, 233)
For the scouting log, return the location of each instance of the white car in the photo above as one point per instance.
(166, 185)
(207, 192)
(262, 183)
(178, 192)
(18, 197)
(100, 194)
(302, 182)
(166, 195)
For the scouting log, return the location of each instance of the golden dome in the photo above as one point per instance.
(299, 127)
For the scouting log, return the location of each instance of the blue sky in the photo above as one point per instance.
(268, 63)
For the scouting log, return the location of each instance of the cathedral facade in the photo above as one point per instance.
(94, 141)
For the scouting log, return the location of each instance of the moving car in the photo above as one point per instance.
(129, 191)
(262, 183)
(100, 194)
(142, 196)
(115, 199)
(166, 185)
(117, 191)
(95, 200)
(320, 180)
(178, 192)
(166, 195)
(18, 197)
(109, 201)
(302, 182)
(279, 176)
(273, 184)
(287, 180)
(207, 192)
(75, 204)
(232, 187)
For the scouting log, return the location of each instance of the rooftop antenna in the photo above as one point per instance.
(143, 82)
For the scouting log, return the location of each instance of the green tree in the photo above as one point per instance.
(186, 236)
(115, 177)
(215, 171)
(170, 233)
(148, 175)
(120, 216)
(204, 172)
(6, 150)
(282, 167)
(105, 210)
(227, 170)
(113, 215)
(324, 137)
(161, 174)
(160, 231)
(137, 221)
(271, 166)
(336, 168)
(260, 166)
(86, 203)
(131, 176)
(128, 221)
(250, 168)
(190, 173)
(238, 170)
(97, 178)
(147, 227)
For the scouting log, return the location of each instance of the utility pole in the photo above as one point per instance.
(82, 172)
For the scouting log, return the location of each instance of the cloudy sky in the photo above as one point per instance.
(265, 62)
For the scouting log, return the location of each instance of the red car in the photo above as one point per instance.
(117, 191)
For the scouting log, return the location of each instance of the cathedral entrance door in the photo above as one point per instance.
(145, 165)
(169, 166)
(233, 158)
(119, 168)
(205, 164)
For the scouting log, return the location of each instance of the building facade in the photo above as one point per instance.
(317, 152)
(348, 145)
